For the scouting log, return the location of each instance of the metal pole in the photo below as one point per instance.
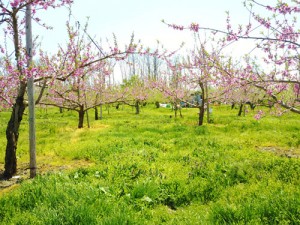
(30, 92)
(207, 103)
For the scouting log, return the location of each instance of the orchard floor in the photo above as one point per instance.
(23, 172)
(153, 168)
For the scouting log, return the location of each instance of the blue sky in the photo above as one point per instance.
(142, 17)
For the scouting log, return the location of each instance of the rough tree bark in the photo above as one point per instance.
(12, 134)
(241, 109)
(96, 113)
(12, 130)
(81, 116)
(177, 108)
(137, 107)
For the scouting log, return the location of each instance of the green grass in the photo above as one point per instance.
(156, 169)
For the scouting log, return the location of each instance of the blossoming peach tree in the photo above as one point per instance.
(66, 75)
(275, 71)
(81, 73)
(15, 74)
(187, 80)
(135, 91)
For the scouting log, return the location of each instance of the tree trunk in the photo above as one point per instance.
(157, 104)
(96, 113)
(201, 115)
(176, 109)
(12, 130)
(137, 107)
(201, 108)
(12, 136)
(81, 117)
(180, 113)
(252, 105)
(241, 109)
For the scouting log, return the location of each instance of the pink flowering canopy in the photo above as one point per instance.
(14, 70)
(275, 71)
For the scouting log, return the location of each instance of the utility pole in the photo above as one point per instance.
(30, 92)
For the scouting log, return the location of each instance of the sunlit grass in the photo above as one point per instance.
(153, 168)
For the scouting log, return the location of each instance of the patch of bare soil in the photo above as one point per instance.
(23, 172)
(289, 153)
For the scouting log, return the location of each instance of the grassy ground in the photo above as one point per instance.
(154, 169)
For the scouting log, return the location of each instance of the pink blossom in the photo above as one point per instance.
(176, 27)
(297, 89)
(194, 27)
(15, 3)
(269, 92)
(259, 115)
